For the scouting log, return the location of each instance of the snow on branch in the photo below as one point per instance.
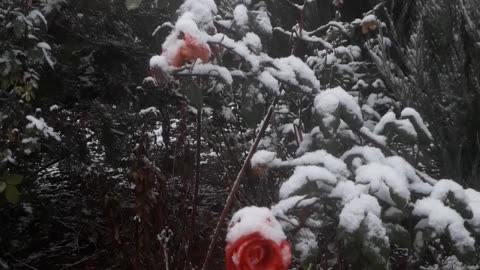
(209, 70)
(303, 35)
(40, 125)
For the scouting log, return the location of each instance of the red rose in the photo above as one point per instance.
(190, 51)
(255, 252)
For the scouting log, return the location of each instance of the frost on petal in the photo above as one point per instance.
(188, 40)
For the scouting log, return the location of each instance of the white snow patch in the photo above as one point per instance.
(254, 219)
(269, 82)
(381, 180)
(240, 15)
(264, 158)
(153, 110)
(442, 218)
(327, 102)
(355, 211)
(304, 174)
(40, 125)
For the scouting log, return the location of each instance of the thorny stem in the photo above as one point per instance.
(236, 184)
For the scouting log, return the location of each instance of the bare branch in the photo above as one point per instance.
(236, 184)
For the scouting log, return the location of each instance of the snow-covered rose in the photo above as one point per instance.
(256, 241)
(190, 51)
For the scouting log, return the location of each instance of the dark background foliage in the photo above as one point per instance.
(78, 201)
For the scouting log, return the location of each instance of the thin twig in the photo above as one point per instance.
(197, 179)
(236, 184)
(165, 255)
(25, 264)
(79, 262)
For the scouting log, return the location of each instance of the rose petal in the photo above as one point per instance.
(254, 252)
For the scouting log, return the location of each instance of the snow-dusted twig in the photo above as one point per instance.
(160, 27)
(303, 35)
(23, 263)
(334, 24)
(475, 33)
(298, 7)
(236, 184)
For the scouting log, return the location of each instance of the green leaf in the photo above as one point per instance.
(12, 194)
(423, 137)
(3, 186)
(14, 179)
(351, 118)
(375, 246)
(460, 205)
(399, 201)
(252, 110)
(406, 132)
(398, 235)
(19, 26)
(194, 94)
